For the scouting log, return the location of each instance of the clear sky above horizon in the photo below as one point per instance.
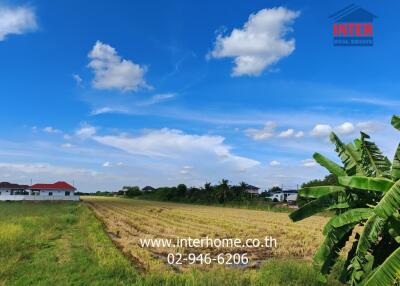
(166, 92)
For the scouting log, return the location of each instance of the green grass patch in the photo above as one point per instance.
(58, 244)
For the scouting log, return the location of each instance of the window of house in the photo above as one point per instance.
(67, 193)
(50, 193)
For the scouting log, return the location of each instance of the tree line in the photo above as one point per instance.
(222, 192)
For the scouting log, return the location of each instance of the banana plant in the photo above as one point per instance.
(365, 209)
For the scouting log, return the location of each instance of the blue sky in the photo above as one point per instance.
(158, 93)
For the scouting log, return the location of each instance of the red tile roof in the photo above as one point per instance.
(55, 186)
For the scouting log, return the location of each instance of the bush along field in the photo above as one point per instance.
(366, 224)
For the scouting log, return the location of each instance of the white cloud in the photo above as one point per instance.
(345, 129)
(16, 20)
(274, 163)
(50, 129)
(174, 144)
(262, 134)
(299, 134)
(77, 78)
(260, 43)
(104, 110)
(268, 132)
(369, 126)
(308, 163)
(186, 170)
(107, 164)
(67, 146)
(287, 134)
(67, 137)
(86, 131)
(120, 164)
(113, 72)
(321, 130)
(157, 98)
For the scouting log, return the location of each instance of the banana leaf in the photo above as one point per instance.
(328, 201)
(373, 162)
(396, 122)
(316, 192)
(366, 183)
(396, 165)
(390, 202)
(328, 252)
(351, 216)
(329, 165)
(387, 273)
(349, 156)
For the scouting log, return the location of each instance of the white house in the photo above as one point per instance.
(284, 196)
(7, 189)
(252, 190)
(59, 191)
(278, 197)
(291, 199)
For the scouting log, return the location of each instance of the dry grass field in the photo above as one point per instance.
(127, 221)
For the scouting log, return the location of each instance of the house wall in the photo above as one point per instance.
(55, 193)
(58, 195)
(4, 192)
(278, 196)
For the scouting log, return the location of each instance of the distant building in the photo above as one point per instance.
(148, 189)
(284, 196)
(291, 199)
(252, 190)
(59, 191)
(7, 188)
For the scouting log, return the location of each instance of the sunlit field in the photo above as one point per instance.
(127, 221)
(64, 244)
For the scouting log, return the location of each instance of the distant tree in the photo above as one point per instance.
(181, 190)
(330, 180)
(275, 189)
(133, 192)
(223, 189)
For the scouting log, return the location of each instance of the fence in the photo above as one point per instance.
(38, 198)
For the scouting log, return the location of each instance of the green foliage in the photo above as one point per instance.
(329, 180)
(131, 192)
(373, 162)
(396, 122)
(366, 183)
(396, 165)
(316, 192)
(349, 217)
(390, 203)
(366, 205)
(348, 154)
(331, 200)
(387, 273)
(329, 165)
(221, 193)
(58, 244)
